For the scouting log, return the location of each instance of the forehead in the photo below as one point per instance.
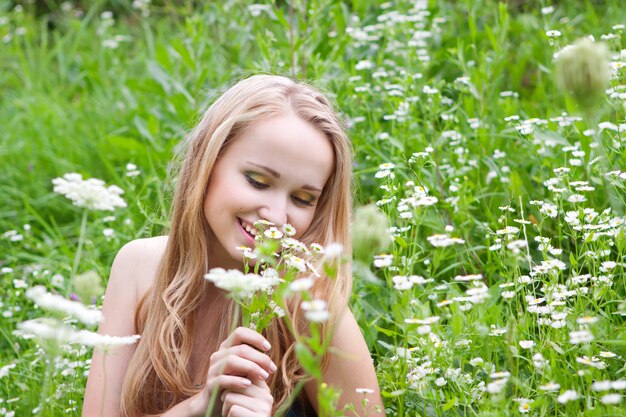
(288, 145)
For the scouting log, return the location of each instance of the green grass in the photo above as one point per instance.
(69, 103)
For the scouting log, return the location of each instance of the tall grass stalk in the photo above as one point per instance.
(81, 242)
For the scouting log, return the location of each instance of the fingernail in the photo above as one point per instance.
(246, 382)
(264, 374)
(267, 345)
(222, 397)
(273, 367)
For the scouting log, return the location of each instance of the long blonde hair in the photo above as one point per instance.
(158, 377)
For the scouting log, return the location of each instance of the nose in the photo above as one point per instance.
(274, 209)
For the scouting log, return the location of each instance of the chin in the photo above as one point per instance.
(238, 260)
(251, 262)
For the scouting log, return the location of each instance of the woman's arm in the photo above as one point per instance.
(350, 367)
(132, 274)
(133, 268)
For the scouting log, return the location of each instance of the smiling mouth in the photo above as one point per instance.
(250, 230)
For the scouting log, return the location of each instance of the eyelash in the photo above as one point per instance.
(256, 184)
(261, 186)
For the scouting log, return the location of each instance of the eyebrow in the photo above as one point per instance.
(276, 175)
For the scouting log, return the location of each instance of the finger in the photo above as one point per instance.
(261, 383)
(248, 336)
(258, 402)
(227, 382)
(246, 352)
(239, 411)
(238, 366)
(257, 388)
(229, 399)
(253, 355)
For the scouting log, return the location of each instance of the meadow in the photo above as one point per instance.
(502, 289)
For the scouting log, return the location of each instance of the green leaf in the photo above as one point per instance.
(384, 331)
(516, 184)
(307, 360)
(449, 404)
(556, 348)
(400, 241)
(392, 394)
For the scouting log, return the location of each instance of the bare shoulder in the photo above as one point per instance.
(137, 263)
(132, 274)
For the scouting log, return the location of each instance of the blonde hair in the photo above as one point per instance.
(157, 377)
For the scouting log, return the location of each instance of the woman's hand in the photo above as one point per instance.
(253, 401)
(239, 368)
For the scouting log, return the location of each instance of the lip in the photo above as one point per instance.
(249, 239)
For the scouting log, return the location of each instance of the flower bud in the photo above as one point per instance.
(583, 71)
(87, 286)
(370, 235)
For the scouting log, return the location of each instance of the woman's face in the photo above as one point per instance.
(276, 170)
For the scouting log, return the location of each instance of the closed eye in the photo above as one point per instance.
(303, 200)
(256, 181)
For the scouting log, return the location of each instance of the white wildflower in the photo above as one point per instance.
(295, 262)
(301, 284)
(273, 233)
(466, 278)
(316, 310)
(580, 337)
(516, 246)
(601, 386)
(294, 244)
(443, 240)
(593, 362)
(567, 396)
(611, 399)
(620, 384)
(240, 284)
(4, 371)
(576, 198)
(496, 386)
(333, 250)
(526, 344)
(586, 320)
(550, 386)
(289, 230)
(364, 391)
(316, 248)
(524, 407)
(91, 193)
(53, 302)
(382, 261)
(549, 210)
(102, 341)
(45, 329)
(401, 283)
(477, 362)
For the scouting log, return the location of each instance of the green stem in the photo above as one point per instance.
(104, 382)
(214, 392)
(46, 383)
(81, 240)
(293, 397)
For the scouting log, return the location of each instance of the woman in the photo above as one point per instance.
(268, 148)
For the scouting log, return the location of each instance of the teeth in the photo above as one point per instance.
(250, 230)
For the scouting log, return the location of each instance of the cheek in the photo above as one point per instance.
(302, 223)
